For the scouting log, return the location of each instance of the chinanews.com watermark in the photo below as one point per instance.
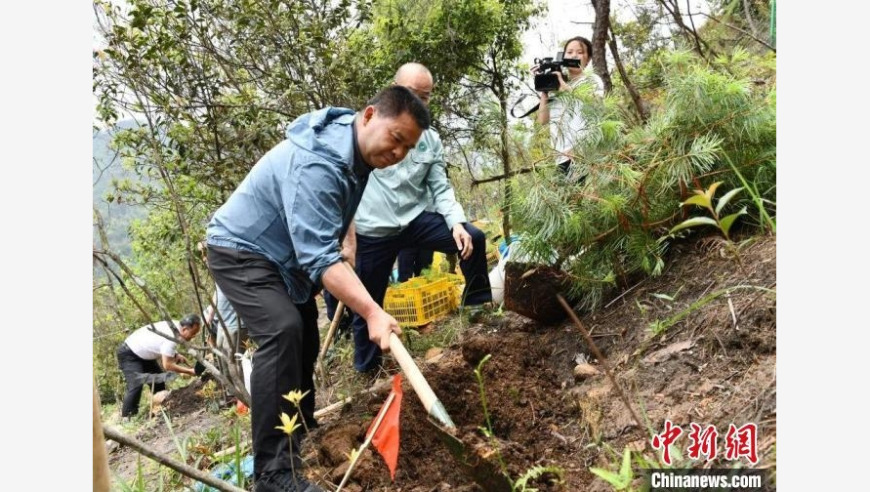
(740, 446)
(674, 480)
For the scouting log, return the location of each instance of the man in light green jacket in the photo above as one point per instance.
(393, 216)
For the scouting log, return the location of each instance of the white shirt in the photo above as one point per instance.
(567, 127)
(151, 346)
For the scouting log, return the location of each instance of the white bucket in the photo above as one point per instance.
(496, 276)
(496, 282)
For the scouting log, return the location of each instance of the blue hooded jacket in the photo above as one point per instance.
(295, 205)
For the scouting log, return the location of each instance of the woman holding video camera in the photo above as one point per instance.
(567, 127)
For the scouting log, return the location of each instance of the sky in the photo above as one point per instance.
(568, 18)
(821, 258)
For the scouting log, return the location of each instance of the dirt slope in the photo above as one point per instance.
(706, 369)
(714, 364)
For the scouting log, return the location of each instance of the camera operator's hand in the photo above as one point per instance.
(563, 86)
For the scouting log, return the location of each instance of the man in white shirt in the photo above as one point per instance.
(138, 354)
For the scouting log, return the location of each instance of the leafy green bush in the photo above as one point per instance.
(713, 124)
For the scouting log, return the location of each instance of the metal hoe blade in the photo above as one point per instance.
(484, 472)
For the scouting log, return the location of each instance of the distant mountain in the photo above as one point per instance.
(106, 168)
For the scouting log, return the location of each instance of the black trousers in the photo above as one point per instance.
(374, 263)
(412, 262)
(136, 374)
(287, 345)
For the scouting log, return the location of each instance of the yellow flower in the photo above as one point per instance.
(295, 397)
(353, 455)
(288, 425)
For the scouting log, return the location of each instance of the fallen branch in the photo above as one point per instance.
(341, 403)
(182, 468)
(232, 450)
(624, 293)
(331, 408)
(606, 368)
(500, 177)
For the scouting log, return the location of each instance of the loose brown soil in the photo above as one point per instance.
(531, 290)
(715, 364)
(706, 368)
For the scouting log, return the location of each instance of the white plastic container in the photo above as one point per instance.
(496, 282)
(247, 367)
(496, 275)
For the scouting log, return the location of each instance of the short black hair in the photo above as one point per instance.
(395, 100)
(582, 40)
(190, 320)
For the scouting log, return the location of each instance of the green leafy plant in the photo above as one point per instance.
(757, 197)
(487, 430)
(620, 480)
(211, 394)
(643, 308)
(237, 457)
(660, 326)
(138, 483)
(478, 373)
(180, 443)
(521, 484)
(705, 199)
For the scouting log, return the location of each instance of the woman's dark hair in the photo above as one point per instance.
(395, 100)
(582, 40)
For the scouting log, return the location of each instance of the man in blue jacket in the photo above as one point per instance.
(275, 243)
(412, 205)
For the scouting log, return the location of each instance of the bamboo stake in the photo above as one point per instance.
(339, 311)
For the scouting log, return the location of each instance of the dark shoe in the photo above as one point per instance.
(282, 481)
(367, 378)
(475, 314)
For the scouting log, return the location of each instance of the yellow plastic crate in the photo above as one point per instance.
(419, 301)
(458, 282)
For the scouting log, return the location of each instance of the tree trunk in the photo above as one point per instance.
(102, 482)
(506, 161)
(599, 41)
(689, 32)
(635, 96)
(747, 12)
(500, 92)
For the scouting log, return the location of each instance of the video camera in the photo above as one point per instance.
(546, 79)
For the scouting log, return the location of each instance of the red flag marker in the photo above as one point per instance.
(383, 432)
(386, 435)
